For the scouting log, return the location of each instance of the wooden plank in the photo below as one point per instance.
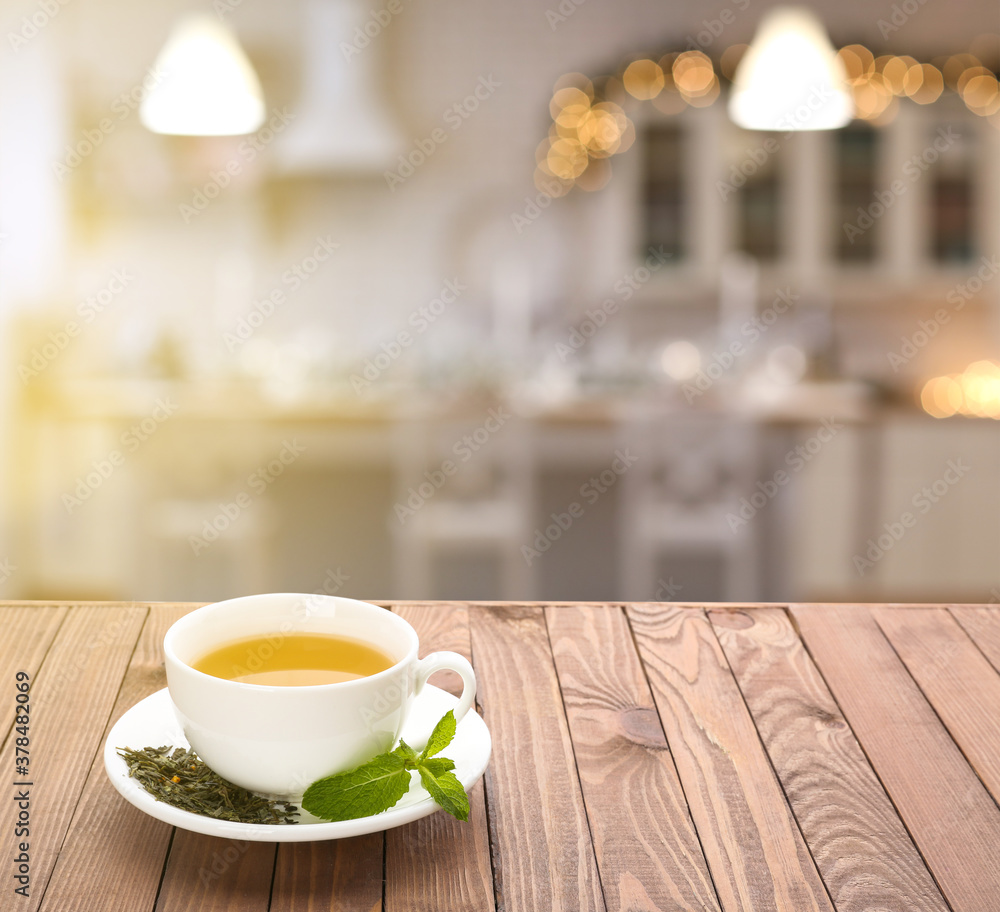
(26, 632)
(953, 820)
(72, 697)
(208, 874)
(543, 857)
(107, 833)
(440, 626)
(956, 678)
(647, 850)
(439, 862)
(341, 875)
(755, 852)
(862, 849)
(982, 623)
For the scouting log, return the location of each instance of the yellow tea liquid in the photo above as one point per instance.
(293, 660)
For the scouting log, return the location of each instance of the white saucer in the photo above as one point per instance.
(152, 723)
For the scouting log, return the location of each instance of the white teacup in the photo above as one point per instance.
(279, 739)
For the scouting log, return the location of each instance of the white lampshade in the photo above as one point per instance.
(790, 77)
(207, 87)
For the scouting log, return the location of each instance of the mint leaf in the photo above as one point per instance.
(378, 785)
(441, 737)
(447, 791)
(437, 766)
(369, 789)
(407, 753)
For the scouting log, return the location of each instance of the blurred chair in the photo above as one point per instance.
(462, 489)
(692, 470)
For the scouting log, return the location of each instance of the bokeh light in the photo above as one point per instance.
(858, 61)
(643, 79)
(894, 73)
(923, 83)
(567, 158)
(871, 96)
(694, 74)
(589, 124)
(980, 91)
(974, 393)
(680, 360)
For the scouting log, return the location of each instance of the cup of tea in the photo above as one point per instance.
(276, 691)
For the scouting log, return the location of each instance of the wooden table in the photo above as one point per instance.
(646, 757)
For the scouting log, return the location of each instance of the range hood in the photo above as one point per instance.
(341, 122)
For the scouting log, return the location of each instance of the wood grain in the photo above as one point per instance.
(440, 627)
(956, 678)
(209, 874)
(340, 875)
(982, 624)
(26, 632)
(647, 850)
(584, 808)
(755, 852)
(439, 862)
(862, 849)
(72, 697)
(107, 833)
(543, 857)
(953, 819)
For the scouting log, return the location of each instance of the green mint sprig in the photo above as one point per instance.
(377, 785)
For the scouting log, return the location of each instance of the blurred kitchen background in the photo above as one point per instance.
(497, 300)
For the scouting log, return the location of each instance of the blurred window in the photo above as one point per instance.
(856, 162)
(952, 211)
(666, 203)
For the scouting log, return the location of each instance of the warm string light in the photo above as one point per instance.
(975, 392)
(589, 123)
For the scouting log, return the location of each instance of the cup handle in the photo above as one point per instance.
(452, 661)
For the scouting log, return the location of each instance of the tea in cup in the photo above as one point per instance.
(276, 691)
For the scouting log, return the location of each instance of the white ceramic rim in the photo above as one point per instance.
(193, 618)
